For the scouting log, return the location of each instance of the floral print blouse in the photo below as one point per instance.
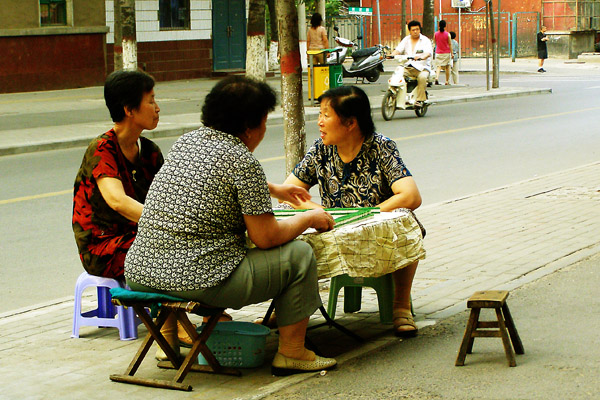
(364, 182)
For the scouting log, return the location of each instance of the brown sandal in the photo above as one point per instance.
(404, 318)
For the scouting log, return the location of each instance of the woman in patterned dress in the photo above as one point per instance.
(115, 175)
(355, 166)
(210, 192)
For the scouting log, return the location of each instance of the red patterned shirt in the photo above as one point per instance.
(103, 236)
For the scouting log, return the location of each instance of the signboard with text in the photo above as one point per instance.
(360, 11)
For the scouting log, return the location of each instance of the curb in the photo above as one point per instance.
(310, 115)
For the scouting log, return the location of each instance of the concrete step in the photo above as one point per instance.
(589, 57)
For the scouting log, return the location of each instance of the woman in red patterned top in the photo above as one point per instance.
(115, 175)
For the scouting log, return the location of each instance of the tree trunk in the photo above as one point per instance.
(128, 35)
(255, 46)
(118, 40)
(428, 24)
(291, 84)
(274, 40)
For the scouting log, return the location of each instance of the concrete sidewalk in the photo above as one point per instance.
(80, 101)
(497, 239)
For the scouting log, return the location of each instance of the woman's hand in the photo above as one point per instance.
(321, 220)
(293, 194)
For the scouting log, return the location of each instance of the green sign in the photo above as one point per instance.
(360, 11)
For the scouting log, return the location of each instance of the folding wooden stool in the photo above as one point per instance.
(166, 305)
(495, 299)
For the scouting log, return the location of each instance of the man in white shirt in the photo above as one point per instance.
(417, 46)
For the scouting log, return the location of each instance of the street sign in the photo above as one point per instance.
(461, 3)
(360, 11)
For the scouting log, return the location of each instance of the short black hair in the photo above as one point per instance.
(414, 23)
(126, 89)
(348, 102)
(315, 20)
(452, 35)
(237, 103)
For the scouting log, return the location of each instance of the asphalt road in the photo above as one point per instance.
(454, 151)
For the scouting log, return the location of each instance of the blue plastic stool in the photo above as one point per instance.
(383, 285)
(106, 315)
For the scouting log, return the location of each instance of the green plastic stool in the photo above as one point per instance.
(383, 285)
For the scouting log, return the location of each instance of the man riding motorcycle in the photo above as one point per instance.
(419, 47)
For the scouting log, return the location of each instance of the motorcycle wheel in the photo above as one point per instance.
(421, 111)
(388, 105)
(373, 76)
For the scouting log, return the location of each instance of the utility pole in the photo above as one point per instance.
(495, 72)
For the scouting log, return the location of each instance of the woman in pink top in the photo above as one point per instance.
(316, 38)
(443, 52)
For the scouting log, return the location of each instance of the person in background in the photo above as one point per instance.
(355, 166)
(542, 48)
(455, 50)
(443, 52)
(316, 38)
(208, 195)
(418, 46)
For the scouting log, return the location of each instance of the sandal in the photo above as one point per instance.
(284, 366)
(403, 318)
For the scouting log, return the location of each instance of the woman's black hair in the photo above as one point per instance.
(125, 89)
(237, 103)
(315, 20)
(414, 23)
(349, 102)
(442, 25)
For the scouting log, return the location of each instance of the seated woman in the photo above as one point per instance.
(356, 167)
(211, 190)
(115, 175)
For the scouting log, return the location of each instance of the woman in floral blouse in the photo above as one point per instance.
(210, 192)
(115, 175)
(356, 167)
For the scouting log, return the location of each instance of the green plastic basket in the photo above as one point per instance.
(237, 344)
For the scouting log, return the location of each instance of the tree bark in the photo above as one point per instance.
(118, 40)
(274, 40)
(291, 84)
(255, 44)
(428, 24)
(128, 33)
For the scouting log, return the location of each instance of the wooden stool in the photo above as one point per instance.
(166, 306)
(495, 299)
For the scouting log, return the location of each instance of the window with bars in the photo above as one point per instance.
(53, 12)
(174, 14)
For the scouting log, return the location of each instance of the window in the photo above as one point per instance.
(174, 14)
(53, 12)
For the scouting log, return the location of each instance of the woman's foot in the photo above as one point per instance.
(306, 362)
(404, 324)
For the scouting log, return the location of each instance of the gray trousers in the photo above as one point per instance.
(287, 274)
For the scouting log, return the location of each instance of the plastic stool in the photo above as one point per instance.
(383, 285)
(106, 315)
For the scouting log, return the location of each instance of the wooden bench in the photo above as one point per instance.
(495, 299)
(166, 307)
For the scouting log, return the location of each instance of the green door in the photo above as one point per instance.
(229, 34)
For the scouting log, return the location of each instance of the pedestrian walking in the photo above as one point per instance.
(542, 48)
(455, 50)
(443, 52)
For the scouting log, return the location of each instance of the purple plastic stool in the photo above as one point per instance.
(107, 314)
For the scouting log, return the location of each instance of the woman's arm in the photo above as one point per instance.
(289, 193)
(406, 195)
(325, 40)
(266, 232)
(306, 203)
(113, 193)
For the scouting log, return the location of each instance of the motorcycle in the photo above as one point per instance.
(367, 63)
(402, 92)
